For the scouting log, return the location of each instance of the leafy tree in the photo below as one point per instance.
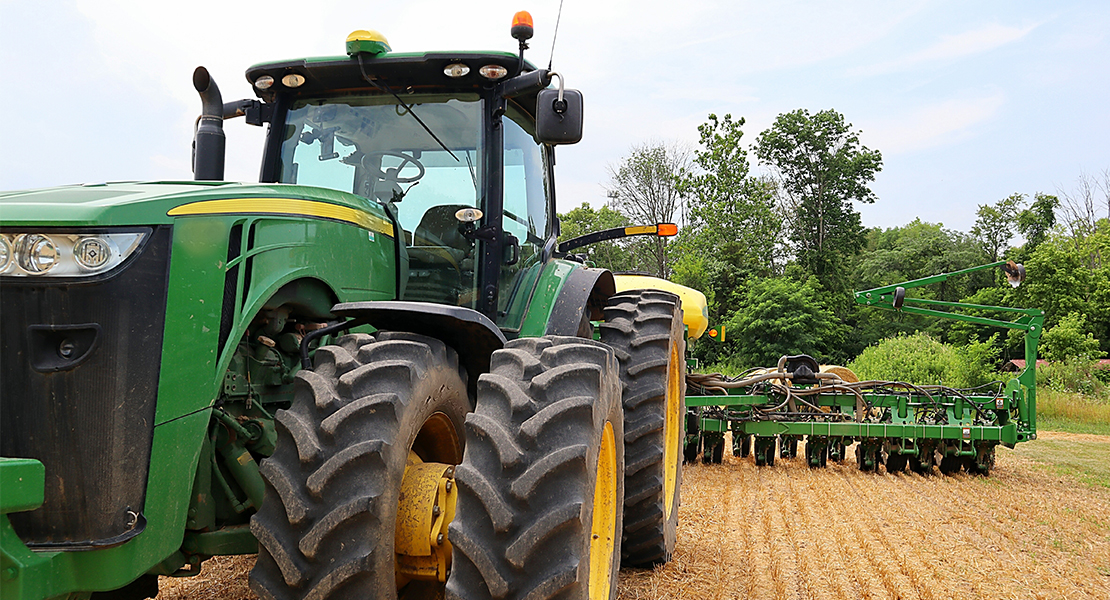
(995, 225)
(644, 187)
(821, 168)
(613, 255)
(780, 316)
(1069, 339)
(727, 207)
(1035, 222)
(909, 252)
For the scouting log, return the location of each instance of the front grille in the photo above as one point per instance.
(90, 422)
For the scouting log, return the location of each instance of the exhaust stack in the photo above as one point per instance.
(208, 140)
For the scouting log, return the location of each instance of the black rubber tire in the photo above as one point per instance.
(326, 528)
(527, 480)
(691, 450)
(896, 463)
(741, 444)
(951, 464)
(645, 330)
(788, 446)
(718, 453)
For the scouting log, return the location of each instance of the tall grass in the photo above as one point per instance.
(1071, 412)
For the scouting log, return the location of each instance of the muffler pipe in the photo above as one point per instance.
(208, 140)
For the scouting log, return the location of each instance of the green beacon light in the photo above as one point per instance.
(369, 41)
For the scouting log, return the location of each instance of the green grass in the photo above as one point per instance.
(1088, 461)
(1073, 413)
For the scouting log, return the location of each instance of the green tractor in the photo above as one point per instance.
(376, 368)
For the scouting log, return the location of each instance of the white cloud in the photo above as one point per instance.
(939, 124)
(951, 47)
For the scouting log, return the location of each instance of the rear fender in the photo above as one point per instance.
(585, 289)
(473, 336)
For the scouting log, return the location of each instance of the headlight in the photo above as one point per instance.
(51, 254)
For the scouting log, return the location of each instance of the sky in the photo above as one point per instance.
(968, 102)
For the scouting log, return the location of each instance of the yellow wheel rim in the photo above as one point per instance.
(603, 531)
(671, 430)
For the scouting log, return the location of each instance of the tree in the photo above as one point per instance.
(614, 255)
(1035, 222)
(644, 188)
(995, 225)
(821, 168)
(781, 316)
(726, 206)
(1070, 339)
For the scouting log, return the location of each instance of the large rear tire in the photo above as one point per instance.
(326, 529)
(645, 329)
(540, 486)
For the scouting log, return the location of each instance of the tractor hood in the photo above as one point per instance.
(150, 203)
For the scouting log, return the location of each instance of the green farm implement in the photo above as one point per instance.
(894, 424)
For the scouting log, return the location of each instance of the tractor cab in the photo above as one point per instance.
(447, 143)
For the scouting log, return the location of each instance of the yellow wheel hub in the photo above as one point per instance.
(603, 531)
(425, 507)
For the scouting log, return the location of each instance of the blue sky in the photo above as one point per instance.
(968, 101)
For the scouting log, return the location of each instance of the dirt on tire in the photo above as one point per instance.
(789, 531)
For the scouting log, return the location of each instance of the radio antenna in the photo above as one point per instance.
(551, 57)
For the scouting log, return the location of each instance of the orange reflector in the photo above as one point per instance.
(522, 18)
(712, 333)
(667, 229)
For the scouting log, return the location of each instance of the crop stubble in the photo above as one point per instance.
(790, 532)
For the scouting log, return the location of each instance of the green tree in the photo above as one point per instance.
(1069, 339)
(912, 251)
(1035, 222)
(781, 316)
(614, 255)
(821, 169)
(728, 207)
(644, 188)
(995, 224)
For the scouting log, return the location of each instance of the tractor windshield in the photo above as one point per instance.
(373, 147)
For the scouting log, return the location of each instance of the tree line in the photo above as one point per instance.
(778, 251)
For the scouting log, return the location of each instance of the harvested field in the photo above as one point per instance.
(1029, 530)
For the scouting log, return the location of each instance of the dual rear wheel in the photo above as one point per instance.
(370, 465)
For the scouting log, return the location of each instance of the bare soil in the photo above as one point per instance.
(788, 531)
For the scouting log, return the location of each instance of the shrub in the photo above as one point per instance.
(1069, 339)
(1075, 374)
(920, 359)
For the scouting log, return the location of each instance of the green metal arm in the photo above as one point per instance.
(892, 297)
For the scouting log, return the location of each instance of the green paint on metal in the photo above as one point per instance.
(551, 281)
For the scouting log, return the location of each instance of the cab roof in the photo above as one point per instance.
(401, 72)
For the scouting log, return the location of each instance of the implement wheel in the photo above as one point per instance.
(645, 330)
(764, 451)
(370, 408)
(741, 444)
(541, 486)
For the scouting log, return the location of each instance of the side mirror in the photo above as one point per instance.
(559, 121)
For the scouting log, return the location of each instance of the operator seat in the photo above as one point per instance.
(437, 241)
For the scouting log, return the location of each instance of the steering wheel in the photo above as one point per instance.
(384, 175)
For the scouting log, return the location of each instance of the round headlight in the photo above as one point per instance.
(5, 253)
(264, 82)
(92, 252)
(293, 80)
(36, 253)
(493, 71)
